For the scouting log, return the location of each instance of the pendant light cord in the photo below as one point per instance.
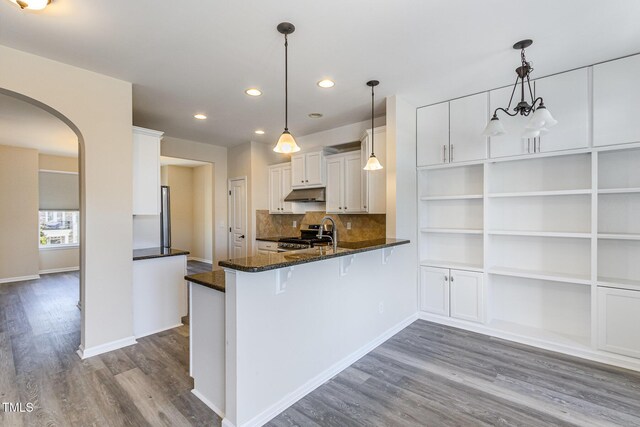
(286, 83)
(372, 132)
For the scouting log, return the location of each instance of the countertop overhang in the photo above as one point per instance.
(210, 279)
(273, 261)
(150, 253)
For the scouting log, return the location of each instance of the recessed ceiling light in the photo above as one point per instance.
(259, 132)
(326, 83)
(253, 92)
(200, 116)
(315, 115)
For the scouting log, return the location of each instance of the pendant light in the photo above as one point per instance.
(372, 164)
(32, 4)
(541, 119)
(286, 143)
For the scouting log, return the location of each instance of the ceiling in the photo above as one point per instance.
(24, 125)
(199, 56)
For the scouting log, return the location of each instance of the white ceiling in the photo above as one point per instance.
(199, 56)
(24, 125)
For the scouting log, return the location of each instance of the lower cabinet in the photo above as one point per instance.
(452, 293)
(618, 320)
(264, 247)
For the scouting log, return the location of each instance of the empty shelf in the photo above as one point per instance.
(541, 275)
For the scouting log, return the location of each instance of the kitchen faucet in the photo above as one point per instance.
(334, 232)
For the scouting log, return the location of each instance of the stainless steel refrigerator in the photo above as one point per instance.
(165, 217)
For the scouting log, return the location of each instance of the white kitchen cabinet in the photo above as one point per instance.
(434, 290)
(344, 183)
(511, 143)
(615, 102)
(307, 170)
(433, 134)
(467, 119)
(452, 293)
(374, 183)
(279, 188)
(264, 247)
(566, 95)
(146, 171)
(465, 289)
(618, 319)
(451, 132)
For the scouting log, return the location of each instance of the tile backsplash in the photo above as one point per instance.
(363, 226)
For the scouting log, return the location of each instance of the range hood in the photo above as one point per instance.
(306, 195)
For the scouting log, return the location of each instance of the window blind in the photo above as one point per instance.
(59, 191)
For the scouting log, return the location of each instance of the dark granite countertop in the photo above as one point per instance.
(210, 279)
(149, 253)
(272, 261)
(270, 238)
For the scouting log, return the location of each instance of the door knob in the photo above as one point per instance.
(242, 237)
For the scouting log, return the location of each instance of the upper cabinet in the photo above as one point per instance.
(344, 183)
(146, 171)
(451, 132)
(308, 170)
(615, 102)
(279, 188)
(374, 183)
(566, 95)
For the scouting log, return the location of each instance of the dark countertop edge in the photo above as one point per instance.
(151, 253)
(346, 252)
(207, 280)
(270, 238)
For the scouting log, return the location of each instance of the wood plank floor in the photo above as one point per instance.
(426, 375)
(194, 267)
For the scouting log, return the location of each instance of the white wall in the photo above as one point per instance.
(181, 148)
(340, 135)
(202, 244)
(98, 108)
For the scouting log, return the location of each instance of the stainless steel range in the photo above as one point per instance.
(308, 239)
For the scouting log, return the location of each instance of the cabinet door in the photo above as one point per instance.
(433, 134)
(374, 183)
(297, 171)
(313, 169)
(352, 184)
(618, 320)
(468, 118)
(275, 190)
(466, 295)
(434, 290)
(511, 143)
(146, 174)
(334, 185)
(287, 207)
(566, 96)
(615, 102)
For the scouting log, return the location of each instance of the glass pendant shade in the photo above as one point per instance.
(541, 118)
(494, 128)
(373, 164)
(32, 4)
(286, 144)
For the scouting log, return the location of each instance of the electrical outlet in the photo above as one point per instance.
(349, 225)
(381, 307)
(295, 224)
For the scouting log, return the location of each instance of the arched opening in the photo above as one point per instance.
(43, 150)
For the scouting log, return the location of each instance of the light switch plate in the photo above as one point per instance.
(348, 225)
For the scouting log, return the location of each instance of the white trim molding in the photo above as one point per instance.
(85, 353)
(206, 261)
(19, 279)
(211, 406)
(59, 270)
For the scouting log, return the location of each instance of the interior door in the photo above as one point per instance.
(287, 207)
(313, 169)
(334, 172)
(275, 190)
(237, 218)
(297, 171)
(434, 290)
(466, 295)
(352, 184)
(468, 118)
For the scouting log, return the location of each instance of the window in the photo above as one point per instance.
(59, 228)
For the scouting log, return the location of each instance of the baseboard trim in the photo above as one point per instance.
(227, 423)
(207, 402)
(271, 412)
(144, 334)
(206, 261)
(59, 270)
(19, 279)
(85, 353)
(582, 353)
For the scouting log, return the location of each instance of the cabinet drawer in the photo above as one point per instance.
(267, 246)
